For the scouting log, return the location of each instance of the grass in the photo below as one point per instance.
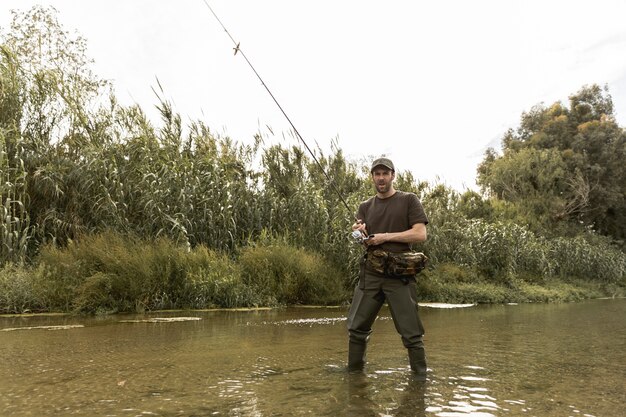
(454, 284)
(20, 291)
(287, 275)
(109, 273)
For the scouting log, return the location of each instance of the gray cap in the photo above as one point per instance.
(386, 162)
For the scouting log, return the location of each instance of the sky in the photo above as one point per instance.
(431, 85)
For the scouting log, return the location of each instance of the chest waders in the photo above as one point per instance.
(370, 294)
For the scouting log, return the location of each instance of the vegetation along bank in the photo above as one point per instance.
(105, 211)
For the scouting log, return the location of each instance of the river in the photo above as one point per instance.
(538, 360)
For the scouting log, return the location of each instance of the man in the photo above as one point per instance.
(390, 221)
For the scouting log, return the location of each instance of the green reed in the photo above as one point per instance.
(75, 165)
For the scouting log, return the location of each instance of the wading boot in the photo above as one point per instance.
(417, 360)
(356, 356)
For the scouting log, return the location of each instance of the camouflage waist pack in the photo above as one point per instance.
(391, 264)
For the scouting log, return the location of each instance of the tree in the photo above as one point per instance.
(564, 164)
(59, 82)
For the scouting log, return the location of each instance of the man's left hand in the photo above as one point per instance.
(377, 239)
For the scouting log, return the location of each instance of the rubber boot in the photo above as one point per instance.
(417, 360)
(356, 356)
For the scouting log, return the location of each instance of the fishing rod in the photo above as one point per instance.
(238, 49)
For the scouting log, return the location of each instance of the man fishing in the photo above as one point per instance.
(389, 223)
(395, 219)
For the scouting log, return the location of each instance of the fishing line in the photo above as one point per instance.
(237, 50)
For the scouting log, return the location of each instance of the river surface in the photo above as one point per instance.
(498, 360)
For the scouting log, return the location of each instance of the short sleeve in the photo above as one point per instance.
(416, 211)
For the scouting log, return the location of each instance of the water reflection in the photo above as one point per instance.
(360, 392)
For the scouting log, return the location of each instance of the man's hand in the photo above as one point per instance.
(417, 233)
(360, 226)
(377, 239)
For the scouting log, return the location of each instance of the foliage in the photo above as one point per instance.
(20, 290)
(283, 274)
(502, 252)
(578, 257)
(108, 272)
(564, 165)
(453, 284)
(14, 218)
(46, 85)
(122, 213)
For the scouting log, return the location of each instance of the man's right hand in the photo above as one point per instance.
(360, 226)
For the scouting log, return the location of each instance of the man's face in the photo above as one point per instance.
(383, 179)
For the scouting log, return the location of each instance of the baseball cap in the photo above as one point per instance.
(386, 162)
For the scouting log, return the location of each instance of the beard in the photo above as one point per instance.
(383, 187)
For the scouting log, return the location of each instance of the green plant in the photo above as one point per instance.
(283, 274)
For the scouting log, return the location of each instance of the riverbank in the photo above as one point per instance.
(111, 273)
(453, 284)
(225, 284)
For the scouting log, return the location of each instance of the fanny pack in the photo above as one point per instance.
(402, 264)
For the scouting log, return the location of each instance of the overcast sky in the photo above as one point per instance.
(429, 84)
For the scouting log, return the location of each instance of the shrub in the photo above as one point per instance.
(600, 261)
(109, 272)
(19, 290)
(283, 274)
(214, 280)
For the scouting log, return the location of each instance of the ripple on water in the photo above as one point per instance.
(465, 394)
(303, 322)
(61, 327)
(446, 305)
(162, 320)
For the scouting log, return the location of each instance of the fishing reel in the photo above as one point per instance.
(360, 237)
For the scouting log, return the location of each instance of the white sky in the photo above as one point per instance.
(430, 84)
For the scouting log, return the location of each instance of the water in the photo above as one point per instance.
(504, 360)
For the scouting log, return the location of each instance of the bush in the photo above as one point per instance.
(19, 290)
(283, 274)
(437, 286)
(453, 284)
(109, 272)
(214, 280)
(599, 262)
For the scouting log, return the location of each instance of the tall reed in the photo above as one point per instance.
(74, 164)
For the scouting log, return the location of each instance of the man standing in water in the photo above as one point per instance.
(389, 222)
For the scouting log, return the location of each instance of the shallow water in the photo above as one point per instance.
(504, 360)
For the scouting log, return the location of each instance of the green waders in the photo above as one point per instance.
(401, 296)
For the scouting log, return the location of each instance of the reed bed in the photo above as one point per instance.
(104, 210)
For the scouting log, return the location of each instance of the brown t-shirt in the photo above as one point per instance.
(394, 214)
